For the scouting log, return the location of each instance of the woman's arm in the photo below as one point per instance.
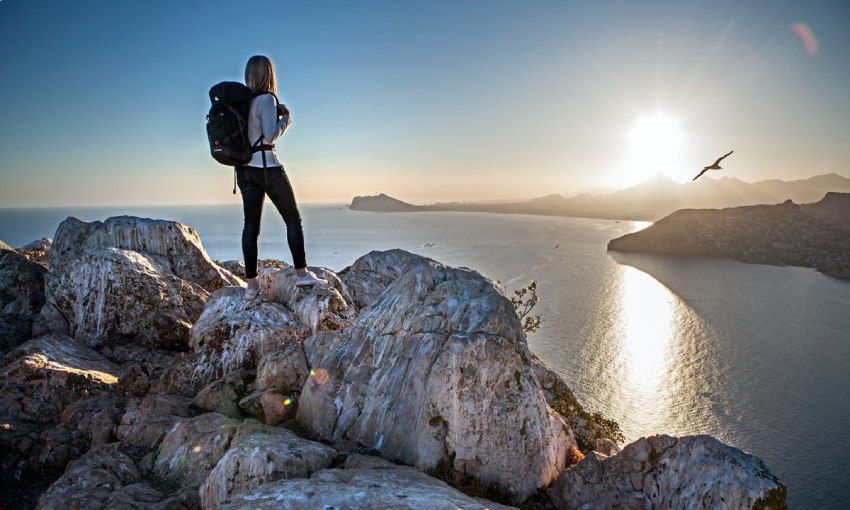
(272, 127)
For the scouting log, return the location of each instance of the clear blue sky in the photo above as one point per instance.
(103, 102)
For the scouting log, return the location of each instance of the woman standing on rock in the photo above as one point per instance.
(264, 175)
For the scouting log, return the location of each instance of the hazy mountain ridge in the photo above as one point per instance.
(810, 235)
(650, 200)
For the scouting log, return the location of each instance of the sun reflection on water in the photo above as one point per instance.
(647, 329)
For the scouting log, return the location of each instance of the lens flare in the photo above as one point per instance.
(806, 36)
(320, 376)
(287, 401)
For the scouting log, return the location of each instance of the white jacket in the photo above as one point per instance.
(263, 121)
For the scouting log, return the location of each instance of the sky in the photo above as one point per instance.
(103, 103)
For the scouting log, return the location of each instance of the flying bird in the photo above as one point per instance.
(713, 166)
(556, 246)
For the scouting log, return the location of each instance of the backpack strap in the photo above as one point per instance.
(257, 146)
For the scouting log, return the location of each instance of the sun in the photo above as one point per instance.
(655, 144)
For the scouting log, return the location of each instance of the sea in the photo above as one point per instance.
(757, 356)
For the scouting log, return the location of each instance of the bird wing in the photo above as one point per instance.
(721, 158)
(704, 170)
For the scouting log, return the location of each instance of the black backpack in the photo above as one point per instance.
(227, 124)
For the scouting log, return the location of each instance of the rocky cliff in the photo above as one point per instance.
(811, 235)
(142, 379)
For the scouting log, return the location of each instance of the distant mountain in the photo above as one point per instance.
(649, 200)
(805, 190)
(810, 235)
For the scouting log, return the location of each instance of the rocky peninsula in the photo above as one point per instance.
(810, 235)
(135, 375)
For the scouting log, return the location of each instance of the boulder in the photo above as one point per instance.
(233, 334)
(89, 482)
(284, 371)
(37, 251)
(259, 454)
(372, 273)
(269, 406)
(237, 267)
(374, 485)
(21, 297)
(606, 447)
(193, 447)
(147, 420)
(82, 425)
(437, 373)
(219, 397)
(170, 244)
(141, 367)
(670, 472)
(56, 400)
(45, 374)
(131, 280)
(187, 374)
(107, 477)
(50, 319)
(113, 296)
(320, 307)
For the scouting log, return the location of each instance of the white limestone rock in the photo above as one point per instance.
(46, 374)
(131, 280)
(283, 371)
(37, 251)
(193, 447)
(435, 373)
(362, 484)
(670, 472)
(232, 334)
(171, 245)
(259, 454)
(320, 307)
(372, 273)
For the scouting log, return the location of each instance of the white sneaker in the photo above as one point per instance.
(308, 280)
(252, 290)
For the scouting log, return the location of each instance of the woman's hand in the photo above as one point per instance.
(282, 110)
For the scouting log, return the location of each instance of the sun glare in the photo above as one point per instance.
(656, 144)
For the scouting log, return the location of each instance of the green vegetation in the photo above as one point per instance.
(524, 300)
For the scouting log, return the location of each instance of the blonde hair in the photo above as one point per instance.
(260, 75)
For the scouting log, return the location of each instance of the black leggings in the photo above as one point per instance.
(255, 184)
